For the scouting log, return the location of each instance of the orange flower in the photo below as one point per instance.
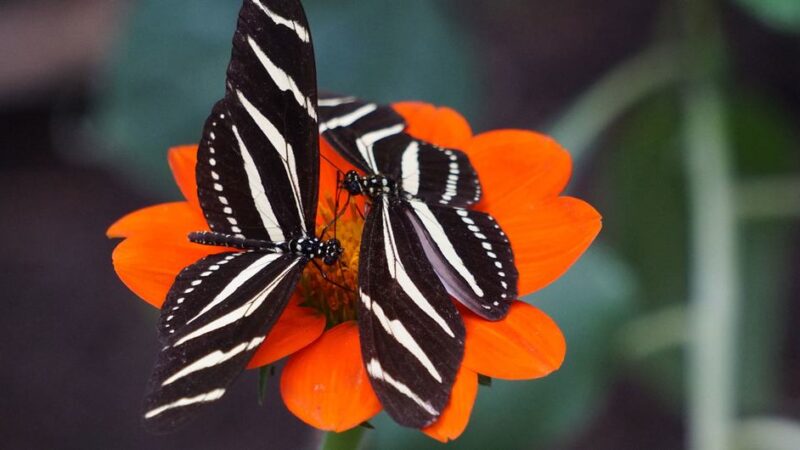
(324, 381)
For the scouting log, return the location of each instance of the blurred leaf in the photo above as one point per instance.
(589, 303)
(767, 260)
(764, 136)
(765, 142)
(169, 69)
(646, 220)
(767, 433)
(782, 15)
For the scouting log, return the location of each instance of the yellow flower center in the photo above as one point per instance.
(334, 294)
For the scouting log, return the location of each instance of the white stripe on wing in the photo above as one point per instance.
(241, 312)
(398, 272)
(376, 371)
(282, 79)
(293, 25)
(398, 331)
(442, 241)
(283, 148)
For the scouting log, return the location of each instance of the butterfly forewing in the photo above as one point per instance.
(217, 313)
(412, 337)
(270, 120)
(353, 126)
(471, 255)
(373, 138)
(257, 177)
(439, 176)
(231, 194)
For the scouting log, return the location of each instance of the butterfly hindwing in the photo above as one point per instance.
(471, 255)
(412, 337)
(439, 176)
(217, 313)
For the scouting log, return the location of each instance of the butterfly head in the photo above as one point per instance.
(331, 250)
(352, 183)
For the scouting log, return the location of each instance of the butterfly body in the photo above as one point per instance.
(371, 185)
(328, 250)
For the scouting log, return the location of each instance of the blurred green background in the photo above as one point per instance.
(682, 118)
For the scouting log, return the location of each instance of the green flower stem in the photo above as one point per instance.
(715, 292)
(348, 440)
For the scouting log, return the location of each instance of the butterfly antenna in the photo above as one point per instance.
(336, 202)
(338, 169)
(338, 213)
(325, 277)
(358, 210)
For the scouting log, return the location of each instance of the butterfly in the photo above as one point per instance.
(420, 243)
(257, 181)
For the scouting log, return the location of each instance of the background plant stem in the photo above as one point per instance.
(714, 283)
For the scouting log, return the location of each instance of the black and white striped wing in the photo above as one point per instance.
(439, 176)
(373, 138)
(471, 255)
(217, 313)
(258, 162)
(412, 336)
(353, 126)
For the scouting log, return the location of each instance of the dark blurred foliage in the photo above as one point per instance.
(84, 141)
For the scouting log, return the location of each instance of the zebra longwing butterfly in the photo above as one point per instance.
(257, 179)
(420, 242)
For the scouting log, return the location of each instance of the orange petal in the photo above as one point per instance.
(149, 266)
(438, 125)
(326, 385)
(166, 219)
(182, 161)
(297, 327)
(547, 236)
(501, 156)
(455, 417)
(526, 344)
